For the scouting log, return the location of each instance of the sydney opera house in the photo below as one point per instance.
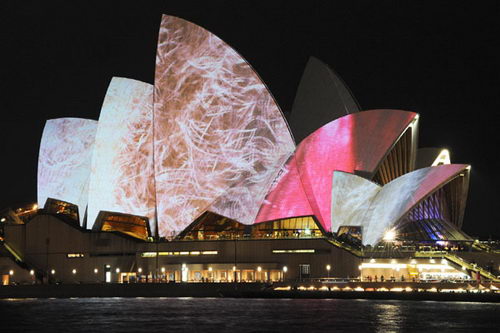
(200, 177)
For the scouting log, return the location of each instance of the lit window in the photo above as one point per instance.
(75, 255)
(177, 253)
(295, 251)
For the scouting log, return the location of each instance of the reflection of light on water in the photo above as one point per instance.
(388, 318)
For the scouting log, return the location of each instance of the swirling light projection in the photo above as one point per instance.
(122, 178)
(219, 138)
(64, 161)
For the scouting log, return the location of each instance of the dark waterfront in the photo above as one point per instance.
(244, 315)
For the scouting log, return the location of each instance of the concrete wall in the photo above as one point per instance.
(47, 243)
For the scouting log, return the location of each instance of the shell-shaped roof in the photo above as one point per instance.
(351, 198)
(64, 161)
(122, 178)
(321, 97)
(217, 129)
(399, 196)
(355, 143)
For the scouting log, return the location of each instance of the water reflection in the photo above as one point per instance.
(388, 317)
(244, 315)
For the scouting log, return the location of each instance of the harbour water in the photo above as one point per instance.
(244, 315)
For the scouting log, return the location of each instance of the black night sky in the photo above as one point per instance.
(437, 58)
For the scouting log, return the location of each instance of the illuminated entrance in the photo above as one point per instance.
(107, 273)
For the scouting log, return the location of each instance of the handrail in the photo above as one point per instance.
(13, 252)
(459, 261)
(356, 252)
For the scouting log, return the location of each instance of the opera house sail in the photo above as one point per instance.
(198, 177)
(220, 137)
(122, 174)
(208, 142)
(321, 97)
(64, 161)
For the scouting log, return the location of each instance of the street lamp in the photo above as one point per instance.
(328, 267)
(11, 272)
(53, 272)
(285, 269)
(73, 271)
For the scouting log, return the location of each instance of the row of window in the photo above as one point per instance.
(195, 253)
(178, 253)
(295, 251)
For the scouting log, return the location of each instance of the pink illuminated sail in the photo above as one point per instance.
(355, 143)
